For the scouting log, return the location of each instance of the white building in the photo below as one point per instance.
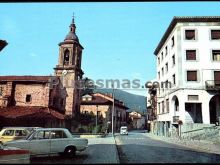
(188, 70)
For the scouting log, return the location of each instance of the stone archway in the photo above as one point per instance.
(175, 103)
(214, 109)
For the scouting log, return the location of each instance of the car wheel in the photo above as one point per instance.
(70, 152)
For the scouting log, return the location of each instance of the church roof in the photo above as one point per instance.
(26, 78)
(71, 36)
(30, 112)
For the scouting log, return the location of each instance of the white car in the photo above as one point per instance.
(51, 141)
(124, 130)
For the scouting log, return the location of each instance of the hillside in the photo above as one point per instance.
(132, 101)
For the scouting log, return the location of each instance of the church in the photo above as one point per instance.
(45, 101)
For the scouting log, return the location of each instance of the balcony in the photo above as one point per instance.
(212, 84)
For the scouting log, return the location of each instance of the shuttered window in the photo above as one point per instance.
(191, 75)
(190, 34)
(215, 34)
(190, 54)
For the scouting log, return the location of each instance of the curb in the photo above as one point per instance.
(188, 144)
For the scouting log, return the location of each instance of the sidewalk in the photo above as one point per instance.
(200, 145)
(105, 151)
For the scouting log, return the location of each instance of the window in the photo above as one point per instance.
(193, 97)
(21, 133)
(216, 55)
(191, 75)
(166, 52)
(173, 59)
(217, 77)
(174, 79)
(1, 91)
(190, 54)
(167, 84)
(190, 35)
(158, 75)
(41, 135)
(159, 108)
(161, 56)
(162, 72)
(163, 107)
(57, 134)
(166, 67)
(8, 133)
(66, 57)
(158, 60)
(172, 41)
(28, 98)
(215, 34)
(167, 105)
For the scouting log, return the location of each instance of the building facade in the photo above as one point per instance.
(188, 73)
(102, 105)
(57, 95)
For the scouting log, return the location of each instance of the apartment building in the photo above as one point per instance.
(188, 72)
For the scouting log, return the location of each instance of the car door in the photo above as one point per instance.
(59, 141)
(40, 142)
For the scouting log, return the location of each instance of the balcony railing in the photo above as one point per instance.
(212, 85)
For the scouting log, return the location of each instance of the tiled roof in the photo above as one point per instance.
(26, 78)
(99, 100)
(29, 112)
(175, 20)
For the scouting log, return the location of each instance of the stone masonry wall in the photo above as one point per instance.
(39, 94)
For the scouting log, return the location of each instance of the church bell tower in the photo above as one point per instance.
(69, 69)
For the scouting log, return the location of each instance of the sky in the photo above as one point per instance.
(119, 38)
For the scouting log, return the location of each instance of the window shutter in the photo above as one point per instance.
(190, 34)
(191, 75)
(190, 55)
(217, 76)
(215, 34)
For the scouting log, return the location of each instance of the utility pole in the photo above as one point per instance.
(96, 119)
(113, 109)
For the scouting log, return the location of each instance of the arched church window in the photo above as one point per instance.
(66, 57)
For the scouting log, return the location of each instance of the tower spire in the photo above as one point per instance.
(73, 22)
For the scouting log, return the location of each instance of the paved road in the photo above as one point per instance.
(138, 148)
(100, 151)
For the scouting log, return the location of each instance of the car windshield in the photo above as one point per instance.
(30, 134)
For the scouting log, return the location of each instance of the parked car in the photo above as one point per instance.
(124, 130)
(14, 133)
(51, 141)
